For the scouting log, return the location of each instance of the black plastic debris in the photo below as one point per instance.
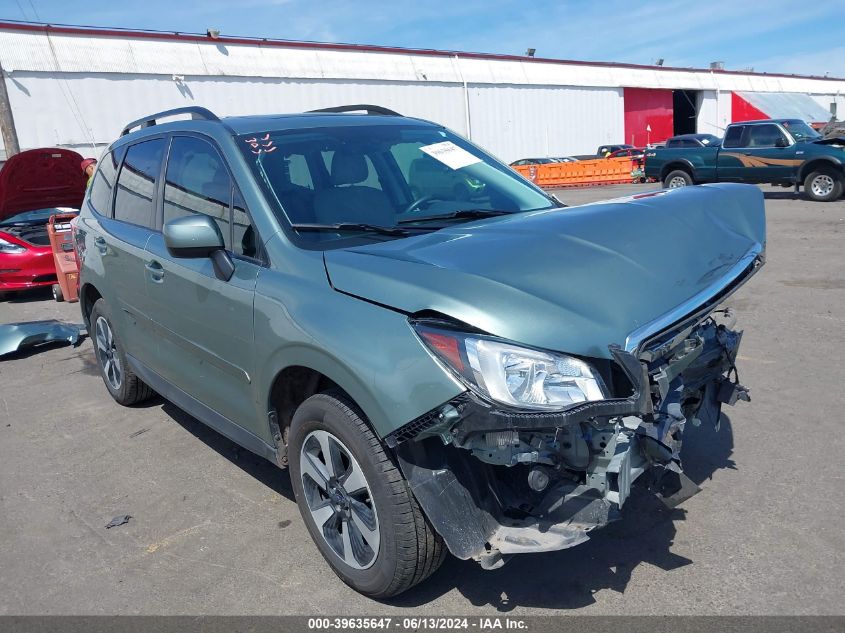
(118, 520)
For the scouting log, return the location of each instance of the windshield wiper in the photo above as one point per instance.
(463, 213)
(352, 226)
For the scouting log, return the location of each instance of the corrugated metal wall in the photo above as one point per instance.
(79, 89)
(528, 121)
(73, 109)
(510, 121)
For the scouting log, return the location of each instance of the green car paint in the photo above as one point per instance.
(347, 265)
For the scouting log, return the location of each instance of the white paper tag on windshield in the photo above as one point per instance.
(450, 154)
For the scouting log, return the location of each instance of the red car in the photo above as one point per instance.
(33, 186)
(633, 152)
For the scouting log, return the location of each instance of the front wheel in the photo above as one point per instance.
(823, 185)
(356, 504)
(677, 178)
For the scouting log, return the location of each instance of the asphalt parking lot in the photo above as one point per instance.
(215, 530)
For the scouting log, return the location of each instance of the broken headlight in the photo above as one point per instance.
(514, 375)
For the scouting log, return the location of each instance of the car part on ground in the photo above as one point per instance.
(443, 355)
(16, 337)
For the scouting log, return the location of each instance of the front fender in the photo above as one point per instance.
(371, 352)
(815, 161)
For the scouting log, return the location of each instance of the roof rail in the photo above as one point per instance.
(196, 112)
(361, 107)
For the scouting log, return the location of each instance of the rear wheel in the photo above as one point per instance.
(677, 178)
(823, 185)
(123, 385)
(57, 293)
(356, 504)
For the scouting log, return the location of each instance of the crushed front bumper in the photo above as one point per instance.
(470, 463)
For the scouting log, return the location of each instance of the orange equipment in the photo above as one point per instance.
(598, 171)
(67, 270)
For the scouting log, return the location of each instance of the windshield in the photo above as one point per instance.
(383, 176)
(38, 216)
(800, 130)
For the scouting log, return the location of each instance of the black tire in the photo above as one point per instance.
(824, 185)
(674, 178)
(409, 549)
(57, 293)
(129, 389)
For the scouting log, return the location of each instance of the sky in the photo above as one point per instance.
(781, 36)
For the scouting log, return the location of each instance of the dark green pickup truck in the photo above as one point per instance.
(784, 152)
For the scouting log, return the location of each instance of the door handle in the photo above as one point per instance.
(101, 245)
(155, 271)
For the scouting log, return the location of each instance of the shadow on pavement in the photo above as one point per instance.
(42, 293)
(566, 579)
(259, 468)
(786, 194)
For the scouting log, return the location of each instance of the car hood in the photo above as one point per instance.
(839, 139)
(40, 179)
(575, 279)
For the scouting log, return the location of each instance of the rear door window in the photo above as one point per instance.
(102, 188)
(136, 185)
(197, 181)
(734, 136)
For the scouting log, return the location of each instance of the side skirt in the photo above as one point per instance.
(223, 425)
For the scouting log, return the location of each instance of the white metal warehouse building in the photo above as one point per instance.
(77, 87)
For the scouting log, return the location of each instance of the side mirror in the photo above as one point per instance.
(781, 142)
(197, 236)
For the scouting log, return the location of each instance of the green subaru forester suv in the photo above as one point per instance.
(443, 355)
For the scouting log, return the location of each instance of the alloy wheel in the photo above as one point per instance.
(676, 182)
(107, 353)
(339, 499)
(822, 185)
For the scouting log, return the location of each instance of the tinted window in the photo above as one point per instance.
(733, 137)
(764, 135)
(102, 187)
(137, 182)
(197, 182)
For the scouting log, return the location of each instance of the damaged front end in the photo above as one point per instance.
(497, 480)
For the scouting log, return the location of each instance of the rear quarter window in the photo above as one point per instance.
(733, 137)
(102, 187)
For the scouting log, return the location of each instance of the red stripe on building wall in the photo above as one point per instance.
(741, 110)
(646, 108)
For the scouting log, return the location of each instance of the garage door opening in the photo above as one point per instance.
(685, 104)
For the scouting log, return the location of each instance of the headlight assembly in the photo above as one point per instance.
(513, 375)
(9, 247)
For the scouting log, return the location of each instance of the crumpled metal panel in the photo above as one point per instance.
(15, 337)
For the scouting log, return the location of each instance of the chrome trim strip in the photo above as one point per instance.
(692, 307)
